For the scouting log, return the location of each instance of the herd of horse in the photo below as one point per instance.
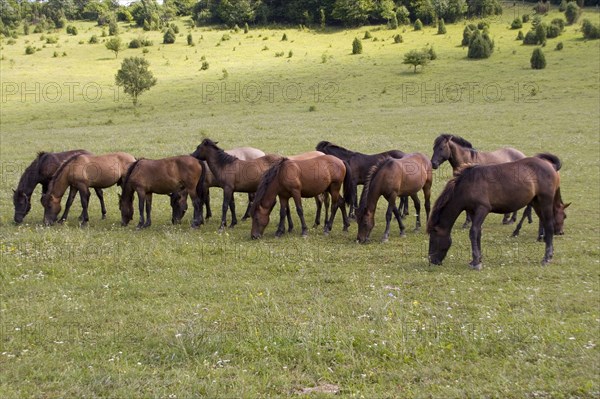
(501, 181)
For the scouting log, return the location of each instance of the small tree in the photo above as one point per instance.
(367, 35)
(113, 27)
(169, 36)
(590, 31)
(190, 39)
(393, 22)
(538, 60)
(284, 38)
(530, 38)
(481, 46)
(115, 44)
(356, 46)
(541, 32)
(418, 25)
(416, 58)
(441, 27)
(520, 35)
(572, 13)
(135, 77)
(246, 28)
(516, 24)
(398, 38)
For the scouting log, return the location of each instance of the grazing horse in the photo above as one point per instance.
(232, 174)
(459, 153)
(83, 171)
(393, 178)
(296, 179)
(162, 176)
(360, 165)
(40, 171)
(499, 188)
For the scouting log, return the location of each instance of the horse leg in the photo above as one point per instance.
(547, 221)
(197, 204)
(388, 219)
(283, 209)
(342, 207)
(227, 201)
(84, 195)
(206, 196)
(398, 216)
(300, 211)
(427, 195)
(354, 205)
(288, 214)
(148, 210)
(528, 212)
(417, 202)
(335, 196)
(327, 205)
(100, 195)
(467, 222)
(477, 219)
(250, 201)
(141, 208)
(234, 220)
(541, 232)
(520, 224)
(70, 198)
(319, 203)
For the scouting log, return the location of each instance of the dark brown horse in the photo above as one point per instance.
(500, 188)
(162, 176)
(460, 153)
(360, 165)
(40, 171)
(393, 178)
(297, 179)
(83, 171)
(232, 174)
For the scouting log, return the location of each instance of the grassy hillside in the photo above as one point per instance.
(174, 312)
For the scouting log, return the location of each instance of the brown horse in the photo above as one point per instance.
(393, 178)
(320, 200)
(243, 153)
(459, 153)
(40, 171)
(162, 176)
(232, 174)
(296, 179)
(499, 188)
(83, 171)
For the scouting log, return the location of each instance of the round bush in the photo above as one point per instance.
(367, 35)
(169, 37)
(135, 43)
(520, 35)
(559, 46)
(418, 25)
(398, 38)
(538, 60)
(531, 38)
(516, 24)
(590, 31)
(541, 33)
(480, 46)
(441, 27)
(572, 13)
(468, 33)
(553, 31)
(525, 18)
(356, 46)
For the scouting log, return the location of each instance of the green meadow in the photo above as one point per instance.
(172, 312)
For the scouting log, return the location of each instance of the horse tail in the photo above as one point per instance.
(349, 186)
(201, 181)
(265, 182)
(553, 159)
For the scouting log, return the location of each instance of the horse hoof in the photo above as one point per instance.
(477, 266)
(515, 234)
(385, 239)
(402, 234)
(61, 221)
(103, 216)
(304, 234)
(417, 229)
(546, 262)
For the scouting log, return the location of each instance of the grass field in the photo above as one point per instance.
(106, 311)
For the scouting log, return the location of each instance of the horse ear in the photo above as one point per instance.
(565, 206)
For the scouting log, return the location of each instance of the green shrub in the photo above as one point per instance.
(542, 8)
(29, 50)
(357, 46)
(51, 40)
(55, 55)
(590, 31)
(71, 30)
(246, 28)
(468, 33)
(190, 39)
(541, 33)
(113, 28)
(93, 39)
(432, 53)
(516, 24)
(290, 54)
(169, 36)
(418, 25)
(367, 35)
(284, 38)
(525, 18)
(480, 46)
(204, 66)
(553, 31)
(572, 13)
(481, 25)
(38, 28)
(531, 38)
(279, 54)
(441, 27)
(174, 27)
(559, 22)
(416, 58)
(538, 60)
(563, 6)
(398, 38)
(403, 15)
(559, 46)
(520, 35)
(135, 43)
(393, 22)
(25, 28)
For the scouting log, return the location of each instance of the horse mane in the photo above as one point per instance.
(129, 172)
(63, 165)
(456, 139)
(30, 175)
(333, 149)
(447, 194)
(372, 173)
(265, 181)
(41, 154)
(223, 158)
(553, 159)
